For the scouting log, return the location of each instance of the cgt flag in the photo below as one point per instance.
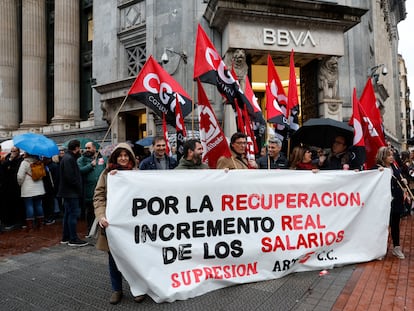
(275, 96)
(371, 123)
(156, 89)
(356, 122)
(211, 135)
(210, 68)
(292, 109)
(165, 133)
(180, 130)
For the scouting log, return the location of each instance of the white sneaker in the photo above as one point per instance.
(396, 251)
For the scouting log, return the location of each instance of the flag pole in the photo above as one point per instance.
(110, 125)
(192, 111)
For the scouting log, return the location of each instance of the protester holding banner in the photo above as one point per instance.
(274, 159)
(122, 158)
(192, 156)
(238, 159)
(158, 160)
(385, 158)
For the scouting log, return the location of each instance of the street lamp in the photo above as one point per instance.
(373, 72)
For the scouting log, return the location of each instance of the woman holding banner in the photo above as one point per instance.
(385, 158)
(121, 158)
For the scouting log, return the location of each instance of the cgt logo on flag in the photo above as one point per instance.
(155, 88)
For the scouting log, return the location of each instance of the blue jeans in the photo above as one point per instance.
(33, 207)
(115, 274)
(70, 218)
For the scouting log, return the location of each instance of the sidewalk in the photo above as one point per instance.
(37, 273)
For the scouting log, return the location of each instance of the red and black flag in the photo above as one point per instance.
(292, 110)
(211, 135)
(276, 99)
(156, 89)
(180, 130)
(210, 68)
(165, 133)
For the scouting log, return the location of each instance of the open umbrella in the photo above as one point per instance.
(36, 144)
(145, 142)
(321, 132)
(83, 142)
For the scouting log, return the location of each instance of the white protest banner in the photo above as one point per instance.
(180, 234)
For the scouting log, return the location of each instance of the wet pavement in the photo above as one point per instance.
(37, 273)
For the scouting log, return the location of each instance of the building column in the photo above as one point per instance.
(34, 106)
(66, 62)
(9, 67)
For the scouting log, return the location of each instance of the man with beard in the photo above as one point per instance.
(91, 164)
(193, 155)
(158, 160)
(70, 189)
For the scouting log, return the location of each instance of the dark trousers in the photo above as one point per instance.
(70, 218)
(115, 274)
(395, 228)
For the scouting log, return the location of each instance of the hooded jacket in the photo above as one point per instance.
(99, 198)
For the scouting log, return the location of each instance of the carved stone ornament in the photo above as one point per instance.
(237, 60)
(328, 78)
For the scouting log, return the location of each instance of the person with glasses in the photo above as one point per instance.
(238, 159)
(274, 159)
(339, 157)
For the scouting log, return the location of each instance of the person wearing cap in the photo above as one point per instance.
(274, 159)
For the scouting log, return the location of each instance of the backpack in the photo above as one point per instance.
(38, 170)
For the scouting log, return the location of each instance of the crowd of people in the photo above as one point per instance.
(75, 183)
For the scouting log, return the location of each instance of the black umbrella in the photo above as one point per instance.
(321, 132)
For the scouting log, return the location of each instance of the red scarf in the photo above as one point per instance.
(116, 166)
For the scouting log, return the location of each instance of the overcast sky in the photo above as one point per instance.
(406, 44)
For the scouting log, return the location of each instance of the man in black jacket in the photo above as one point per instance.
(70, 189)
(274, 159)
(158, 160)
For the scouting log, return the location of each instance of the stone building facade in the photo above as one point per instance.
(100, 46)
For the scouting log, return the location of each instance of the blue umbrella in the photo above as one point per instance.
(36, 144)
(145, 142)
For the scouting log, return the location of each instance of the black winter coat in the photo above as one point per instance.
(70, 180)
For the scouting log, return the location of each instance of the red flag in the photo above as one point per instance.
(359, 142)
(210, 68)
(251, 97)
(356, 122)
(292, 109)
(275, 95)
(211, 135)
(155, 88)
(293, 100)
(165, 132)
(180, 130)
(368, 102)
(372, 123)
(251, 148)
